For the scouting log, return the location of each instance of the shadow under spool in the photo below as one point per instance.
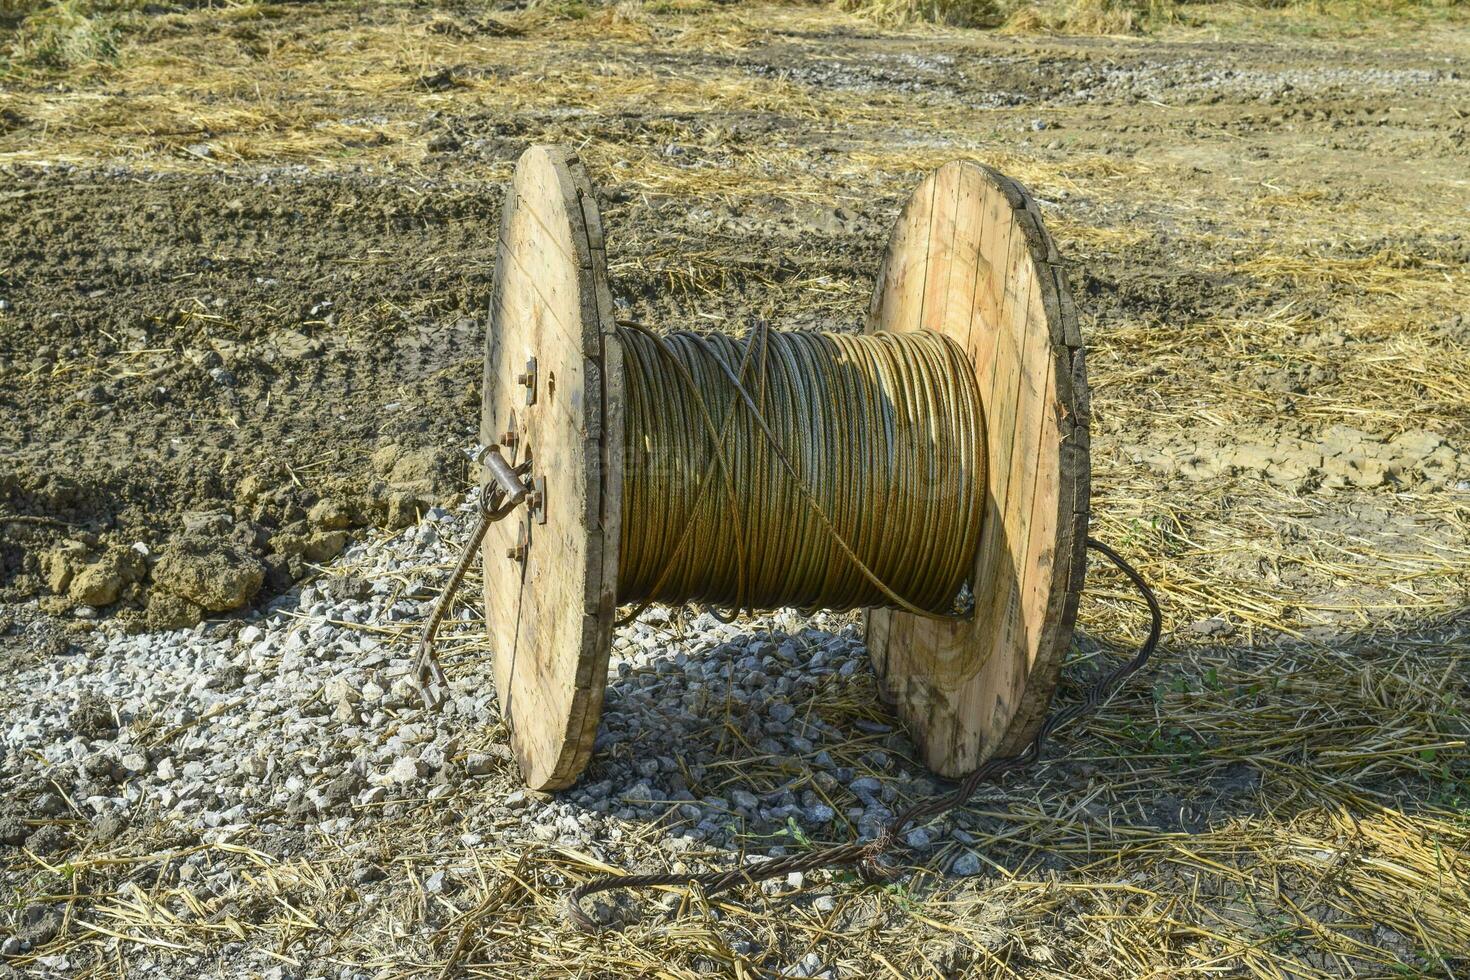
(816, 470)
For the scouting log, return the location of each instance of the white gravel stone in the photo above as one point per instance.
(303, 725)
(966, 864)
(919, 837)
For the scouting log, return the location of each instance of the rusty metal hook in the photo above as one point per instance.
(506, 490)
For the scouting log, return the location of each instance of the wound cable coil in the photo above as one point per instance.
(815, 470)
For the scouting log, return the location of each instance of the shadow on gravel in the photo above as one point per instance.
(768, 742)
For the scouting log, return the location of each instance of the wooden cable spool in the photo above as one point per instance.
(968, 258)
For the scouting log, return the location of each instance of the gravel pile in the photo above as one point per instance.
(298, 730)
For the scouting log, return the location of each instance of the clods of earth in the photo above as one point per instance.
(226, 560)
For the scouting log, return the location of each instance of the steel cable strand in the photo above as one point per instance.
(432, 683)
(638, 342)
(807, 536)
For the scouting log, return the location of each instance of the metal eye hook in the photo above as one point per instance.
(506, 491)
(507, 487)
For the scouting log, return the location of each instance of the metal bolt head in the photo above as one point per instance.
(536, 500)
(518, 551)
(527, 380)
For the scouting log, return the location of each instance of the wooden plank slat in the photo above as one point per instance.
(550, 615)
(934, 307)
(968, 689)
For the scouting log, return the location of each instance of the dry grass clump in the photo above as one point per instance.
(955, 13)
(1020, 16)
(1089, 17)
(1135, 16)
(65, 35)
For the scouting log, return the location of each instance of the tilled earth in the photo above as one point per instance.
(206, 356)
(243, 274)
(239, 363)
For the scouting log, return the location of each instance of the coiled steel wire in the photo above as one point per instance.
(816, 470)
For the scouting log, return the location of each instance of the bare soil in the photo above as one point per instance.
(172, 330)
(170, 336)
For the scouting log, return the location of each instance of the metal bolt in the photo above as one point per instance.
(509, 437)
(517, 551)
(527, 380)
(536, 499)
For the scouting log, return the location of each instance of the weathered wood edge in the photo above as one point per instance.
(1073, 398)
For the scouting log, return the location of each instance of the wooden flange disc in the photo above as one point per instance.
(551, 571)
(969, 258)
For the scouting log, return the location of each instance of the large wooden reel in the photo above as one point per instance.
(553, 376)
(968, 257)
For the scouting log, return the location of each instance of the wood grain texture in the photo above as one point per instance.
(970, 257)
(550, 616)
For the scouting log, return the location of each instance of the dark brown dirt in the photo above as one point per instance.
(179, 344)
(212, 354)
